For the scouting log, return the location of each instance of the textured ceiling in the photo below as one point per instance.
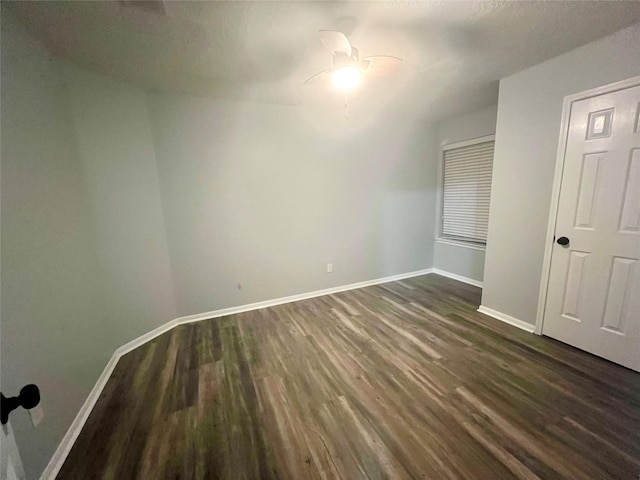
(454, 52)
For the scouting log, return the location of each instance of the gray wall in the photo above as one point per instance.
(85, 262)
(116, 152)
(264, 197)
(460, 260)
(529, 114)
(54, 331)
(114, 203)
(467, 126)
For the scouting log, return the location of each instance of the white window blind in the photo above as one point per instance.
(466, 192)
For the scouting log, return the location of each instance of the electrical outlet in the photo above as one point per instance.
(329, 267)
(36, 414)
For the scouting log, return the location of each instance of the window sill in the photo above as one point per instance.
(460, 243)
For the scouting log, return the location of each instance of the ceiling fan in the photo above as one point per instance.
(347, 64)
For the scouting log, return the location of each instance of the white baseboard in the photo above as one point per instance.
(296, 298)
(455, 276)
(60, 455)
(147, 337)
(527, 327)
(70, 437)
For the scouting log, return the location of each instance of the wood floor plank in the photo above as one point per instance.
(401, 380)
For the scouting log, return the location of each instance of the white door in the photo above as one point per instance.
(10, 463)
(593, 296)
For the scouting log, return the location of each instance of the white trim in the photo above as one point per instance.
(60, 455)
(147, 337)
(10, 455)
(439, 188)
(460, 243)
(466, 143)
(460, 278)
(557, 182)
(503, 317)
(296, 298)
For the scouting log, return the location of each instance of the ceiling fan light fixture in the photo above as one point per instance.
(346, 77)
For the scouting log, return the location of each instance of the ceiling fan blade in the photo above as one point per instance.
(316, 77)
(335, 41)
(382, 64)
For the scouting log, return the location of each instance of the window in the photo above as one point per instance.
(466, 190)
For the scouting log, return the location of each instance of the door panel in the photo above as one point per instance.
(617, 311)
(573, 286)
(593, 299)
(587, 189)
(630, 218)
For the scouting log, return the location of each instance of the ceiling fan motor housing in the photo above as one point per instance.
(345, 55)
(341, 59)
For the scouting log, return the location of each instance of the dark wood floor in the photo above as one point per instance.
(402, 380)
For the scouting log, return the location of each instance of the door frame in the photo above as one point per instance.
(557, 183)
(10, 454)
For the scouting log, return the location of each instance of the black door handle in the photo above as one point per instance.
(563, 241)
(29, 397)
